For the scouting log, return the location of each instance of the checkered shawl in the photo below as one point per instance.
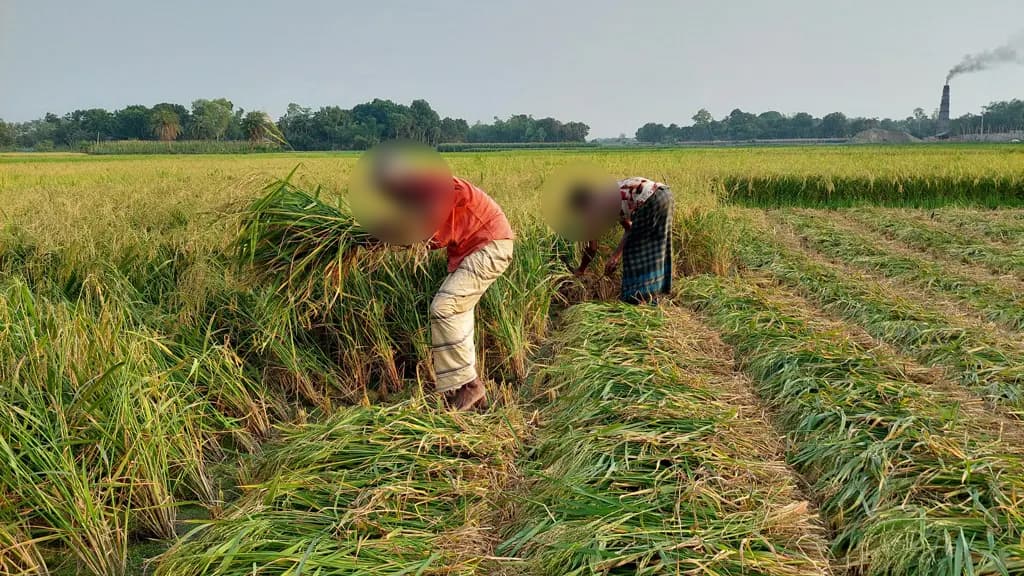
(647, 255)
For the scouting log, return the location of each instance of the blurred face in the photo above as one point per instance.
(580, 202)
(401, 193)
(596, 208)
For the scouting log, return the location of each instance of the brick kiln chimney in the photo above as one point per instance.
(943, 127)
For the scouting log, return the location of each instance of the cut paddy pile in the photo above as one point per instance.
(908, 485)
(980, 358)
(650, 460)
(404, 489)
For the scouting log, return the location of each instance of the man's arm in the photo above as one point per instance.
(589, 251)
(613, 261)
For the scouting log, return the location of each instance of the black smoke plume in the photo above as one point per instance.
(1010, 53)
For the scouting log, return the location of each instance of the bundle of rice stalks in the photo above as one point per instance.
(297, 240)
(641, 467)
(397, 490)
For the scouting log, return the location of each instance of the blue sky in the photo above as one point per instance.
(612, 64)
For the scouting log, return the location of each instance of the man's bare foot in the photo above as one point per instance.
(469, 395)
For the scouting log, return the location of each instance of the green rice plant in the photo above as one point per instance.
(903, 190)
(120, 147)
(403, 489)
(981, 361)
(996, 301)
(908, 485)
(102, 441)
(944, 243)
(88, 514)
(640, 466)
(707, 241)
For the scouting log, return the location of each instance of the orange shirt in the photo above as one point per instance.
(475, 220)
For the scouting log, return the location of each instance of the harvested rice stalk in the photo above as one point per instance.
(982, 360)
(19, 552)
(909, 485)
(295, 239)
(644, 465)
(998, 301)
(392, 490)
(915, 230)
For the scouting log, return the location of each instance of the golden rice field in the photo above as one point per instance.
(836, 387)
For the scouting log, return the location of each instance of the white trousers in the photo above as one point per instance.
(453, 350)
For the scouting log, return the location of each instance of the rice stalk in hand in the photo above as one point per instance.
(299, 241)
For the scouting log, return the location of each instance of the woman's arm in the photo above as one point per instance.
(589, 251)
(613, 261)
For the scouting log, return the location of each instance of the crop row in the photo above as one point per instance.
(650, 459)
(904, 190)
(996, 301)
(982, 361)
(1006, 226)
(405, 489)
(942, 242)
(908, 486)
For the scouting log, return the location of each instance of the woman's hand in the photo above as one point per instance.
(612, 264)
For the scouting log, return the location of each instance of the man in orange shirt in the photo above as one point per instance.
(478, 239)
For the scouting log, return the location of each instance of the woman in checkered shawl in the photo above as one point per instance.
(645, 213)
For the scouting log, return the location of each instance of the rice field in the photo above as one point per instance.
(199, 375)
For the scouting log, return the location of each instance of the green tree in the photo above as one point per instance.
(133, 123)
(258, 127)
(6, 135)
(426, 121)
(651, 132)
(453, 130)
(211, 118)
(834, 125)
(802, 125)
(165, 124)
(702, 120)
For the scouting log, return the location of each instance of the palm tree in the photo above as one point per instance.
(254, 124)
(166, 124)
(259, 127)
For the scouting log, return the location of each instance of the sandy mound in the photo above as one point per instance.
(879, 136)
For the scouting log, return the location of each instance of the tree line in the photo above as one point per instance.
(739, 125)
(326, 128)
